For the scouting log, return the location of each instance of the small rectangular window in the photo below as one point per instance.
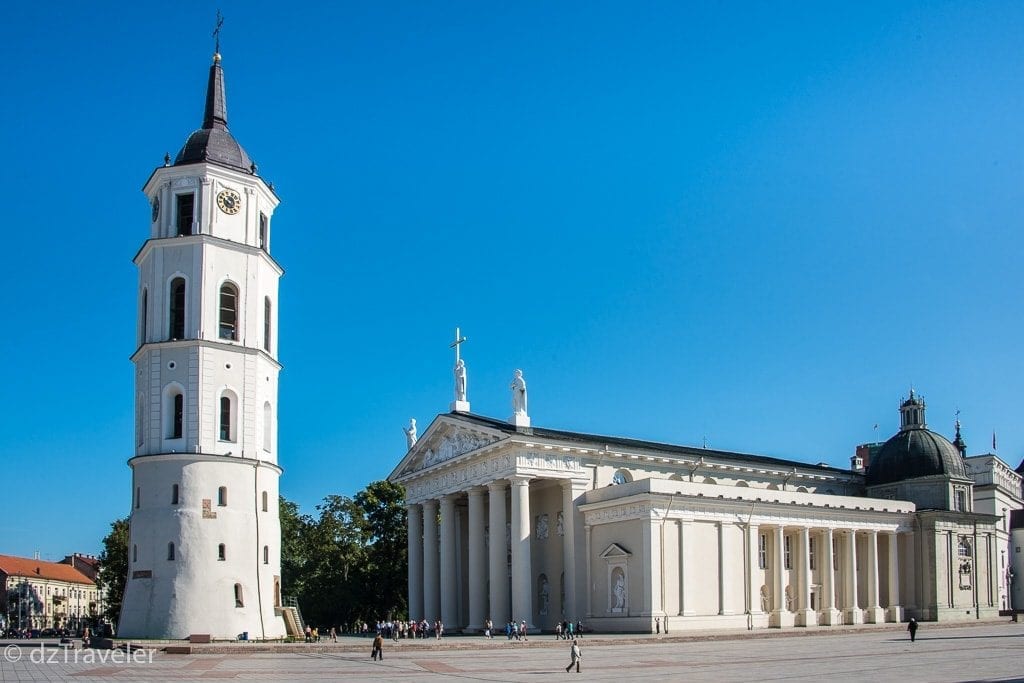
(222, 496)
(762, 551)
(174, 494)
(789, 554)
(810, 552)
(835, 554)
(186, 213)
(263, 231)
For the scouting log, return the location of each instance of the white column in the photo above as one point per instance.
(895, 612)
(753, 569)
(431, 600)
(449, 604)
(415, 545)
(589, 586)
(830, 616)
(522, 567)
(569, 549)
(805, 615)
(498, 562)
(875, 613)
(687, 570)
(854, 615)
(722, 580)
(477, 560)
(651, 533)
(780, 616)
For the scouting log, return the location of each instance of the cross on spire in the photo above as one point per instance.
(216, 33)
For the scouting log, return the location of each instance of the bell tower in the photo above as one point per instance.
(205, 542)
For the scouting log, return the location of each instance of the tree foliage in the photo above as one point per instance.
(348, 562)
(114, 568)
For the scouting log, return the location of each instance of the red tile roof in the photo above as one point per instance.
(24, 566)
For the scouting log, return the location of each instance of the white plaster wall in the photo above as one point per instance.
(194, 593)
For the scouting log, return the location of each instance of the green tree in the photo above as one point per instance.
(348, 562)
(382, 505)
(114, 569)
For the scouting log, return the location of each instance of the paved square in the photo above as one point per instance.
(991, 652)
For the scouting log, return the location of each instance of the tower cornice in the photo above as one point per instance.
(159, 242)
(208, 343)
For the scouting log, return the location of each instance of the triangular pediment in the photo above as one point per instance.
(447, 438)
(615, 550)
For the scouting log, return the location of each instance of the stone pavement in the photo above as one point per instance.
(992, 651)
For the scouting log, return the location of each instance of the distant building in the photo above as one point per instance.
(35, 594)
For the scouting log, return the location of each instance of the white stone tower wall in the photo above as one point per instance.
(195, 591)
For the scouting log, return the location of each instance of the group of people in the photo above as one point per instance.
(566, 630)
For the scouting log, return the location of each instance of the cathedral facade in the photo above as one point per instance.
(508, 521)
(205, 537)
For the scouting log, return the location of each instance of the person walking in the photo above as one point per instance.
(378, 648)
(576, 655)
(912, 627)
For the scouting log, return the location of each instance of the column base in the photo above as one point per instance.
(894, 614)
(806, 617)
(853, 616)
(781, 619)
(874, 615)
(830, 617)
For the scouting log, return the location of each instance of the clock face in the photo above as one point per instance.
(229, 201)
(156, 208)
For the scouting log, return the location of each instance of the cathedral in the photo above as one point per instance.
(510, 521)
(205, 537)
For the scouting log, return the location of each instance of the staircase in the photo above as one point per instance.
(293, 620)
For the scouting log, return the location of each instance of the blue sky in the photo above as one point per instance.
(755, 223)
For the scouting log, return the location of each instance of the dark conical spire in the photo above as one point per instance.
(214, 142)
(216, 114)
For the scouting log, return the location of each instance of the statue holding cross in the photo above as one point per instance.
(461, 404)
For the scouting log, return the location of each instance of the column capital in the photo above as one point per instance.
(450, 498)
(497, 485)
(476, 490)
(520, 479)
(413, 506)
(429, 502)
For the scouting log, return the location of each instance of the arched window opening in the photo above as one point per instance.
(178, 417)
(227, 420)
(176, 322)
(742, 484)
(170, 551)
(229, 312)
(222, 553)
(174, 494)
(709, 480)
(263, 232)
(222, 496)
(801, 489)
(266, 554)
(140, 419)
(267, 310)
(268, 427)
(265, 501)
(143, 316)
(238, 595)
